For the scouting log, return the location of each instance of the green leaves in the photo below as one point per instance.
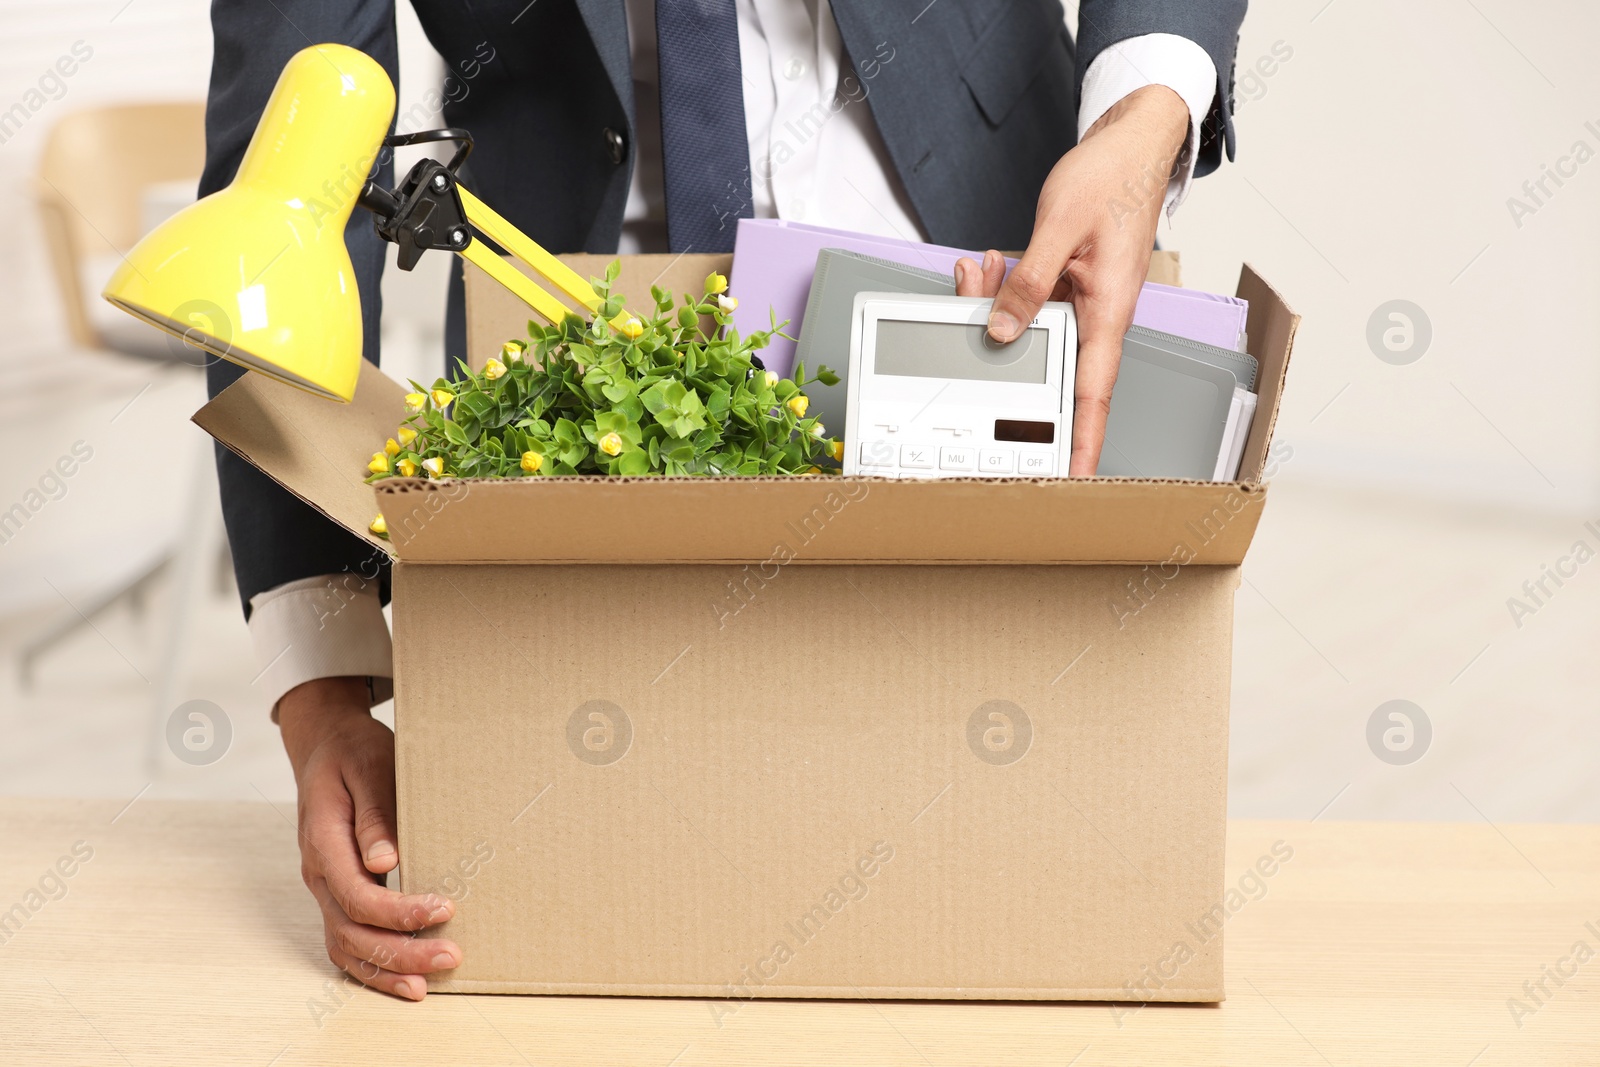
(675, 406)
(680, 396)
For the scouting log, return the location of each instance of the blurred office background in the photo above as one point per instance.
(1420, 483)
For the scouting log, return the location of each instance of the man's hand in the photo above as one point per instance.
(343, 762)
(1092, 238)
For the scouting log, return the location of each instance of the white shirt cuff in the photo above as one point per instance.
(330, 626)
(1153, 59)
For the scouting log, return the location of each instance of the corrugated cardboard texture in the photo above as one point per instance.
(315, 448)
(1271, 327)
(819, 520)
(757, 752)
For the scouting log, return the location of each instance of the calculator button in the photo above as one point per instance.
(1036, 463)
(877, 454)
(957, 459)
(995, 461)
(917, 457)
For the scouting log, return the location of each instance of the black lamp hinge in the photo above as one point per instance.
(425, 211)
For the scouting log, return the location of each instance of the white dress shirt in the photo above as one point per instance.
(816, 156)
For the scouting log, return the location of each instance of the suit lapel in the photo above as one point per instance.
(608, 26)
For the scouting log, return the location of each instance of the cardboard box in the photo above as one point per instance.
(802, 737)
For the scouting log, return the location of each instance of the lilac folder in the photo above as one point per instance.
(1189, 313)
(774, 260)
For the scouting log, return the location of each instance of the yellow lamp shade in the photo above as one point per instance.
(258, 273)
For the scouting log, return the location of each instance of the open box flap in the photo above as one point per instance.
(313, 447)
(820, 519)
(1271, 327)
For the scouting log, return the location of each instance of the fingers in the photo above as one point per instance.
(969, 277)
(401, 953)
(994, 272)
(1102, 322)
(409, 986)
(372, 904)
(1034, 279)
(328, 851)
(383, 959)
(985, 279)
(371, 786)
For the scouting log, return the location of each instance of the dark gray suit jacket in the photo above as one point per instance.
(979, 102)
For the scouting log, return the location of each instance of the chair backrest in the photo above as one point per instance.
(94, 170)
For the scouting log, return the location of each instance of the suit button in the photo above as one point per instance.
(618, 146)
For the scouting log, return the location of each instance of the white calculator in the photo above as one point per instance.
(932, 396)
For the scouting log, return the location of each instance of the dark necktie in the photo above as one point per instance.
(705, 150)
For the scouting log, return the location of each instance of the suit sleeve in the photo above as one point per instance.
(1212, 24)
(274, 538)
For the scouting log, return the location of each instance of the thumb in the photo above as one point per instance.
(371, 786)
(1031, 282)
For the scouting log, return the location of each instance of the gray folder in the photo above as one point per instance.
(1242, 364)
(825, 331)
(1169, 409)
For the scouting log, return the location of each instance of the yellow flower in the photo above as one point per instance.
(728, 304)
(798, 404)
(406, 435)
(493, 369)
(434, 467)
(610, 444)
(716, 283)
(772, 379)
(632, 329)
(415, 402)
(407, 468)
(810, 470)
(379, 463)
(379, 526)
(817, 430)
(391, 447)
(836, 451)
(513, 351)
(531, 462)
(442, 397)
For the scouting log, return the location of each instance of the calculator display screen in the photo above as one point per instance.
(961, 351)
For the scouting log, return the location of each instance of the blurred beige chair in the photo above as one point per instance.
(107, 176)
(94, 188)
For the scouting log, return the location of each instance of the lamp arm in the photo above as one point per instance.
(432, 209)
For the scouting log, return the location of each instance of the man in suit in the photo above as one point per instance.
(653, 125)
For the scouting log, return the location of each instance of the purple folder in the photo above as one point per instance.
(773, 261)
(1192, 314)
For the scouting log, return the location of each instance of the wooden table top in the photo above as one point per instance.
(186, 937)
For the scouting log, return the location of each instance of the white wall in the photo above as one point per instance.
(1375, 164)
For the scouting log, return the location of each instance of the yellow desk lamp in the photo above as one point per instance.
(262, 264)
